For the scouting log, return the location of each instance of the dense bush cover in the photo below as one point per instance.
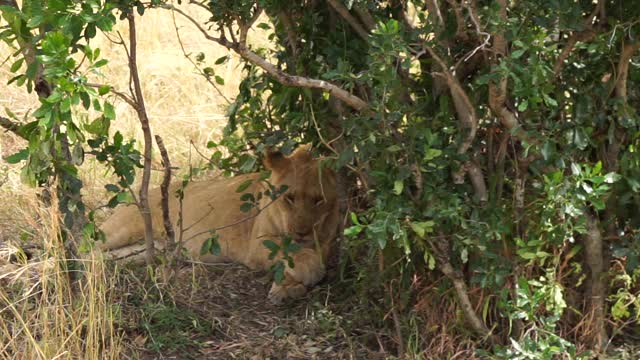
(492, 142)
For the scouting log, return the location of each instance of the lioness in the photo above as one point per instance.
(307, 211)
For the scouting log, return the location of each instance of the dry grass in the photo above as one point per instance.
(182, 106)
(97, 312)
(46, 315)
(43, 313)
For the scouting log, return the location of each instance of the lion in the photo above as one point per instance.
(307, 211)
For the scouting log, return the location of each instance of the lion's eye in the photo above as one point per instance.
(289, 198)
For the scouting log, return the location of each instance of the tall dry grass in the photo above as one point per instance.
(183, 108)
(49, 311)
(46, 310)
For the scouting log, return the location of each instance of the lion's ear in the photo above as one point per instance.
(303, 151)
(275, 161)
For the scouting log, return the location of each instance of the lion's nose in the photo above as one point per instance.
(301, 234)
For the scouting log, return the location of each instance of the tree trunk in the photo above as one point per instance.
(146, 130)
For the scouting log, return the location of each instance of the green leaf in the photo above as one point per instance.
(598, 204)
(525, 254)
(32, 70)
(90, 31)
(17, 157)
(140, 8)
(86, 100)
(597, 168)
(100, 63)
(248, 197)
(65, 105)
(125, 197)
(524, 104)
(293, 248)
(16, 65)
(549, 100)
(353, 230)
(99, 126)
(272, 246)
(575, 169)
(548, 149)
(612, 177)
(112, 188)
(430, 260)
(421, 228)
(104, 89)
(221, 60)
(54, 97)
(206, 246)
(432, 154)
(377, 231)
(248, 164)
(219, 80)
(246, 207)
(263, 26)
(109, 112)
(516, 54)
(278, 272)
(354, 218)
(113, 202)
(398, 186)
(264, 175)
(245, 184)
(211, 245)
(77, 155)
(208, 71)
(464, 255)
(16, 79)
(35, 21)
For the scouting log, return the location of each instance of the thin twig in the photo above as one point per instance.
(282, 77)
(120, 94)
(164, 191)
(195, 65)
(235, 222)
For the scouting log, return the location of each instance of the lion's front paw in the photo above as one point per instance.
(307, 270)
(279, 293)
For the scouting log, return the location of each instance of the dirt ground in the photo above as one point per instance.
(232, 301)
(222, 312)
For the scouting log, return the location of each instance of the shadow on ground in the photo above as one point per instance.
(221, 312)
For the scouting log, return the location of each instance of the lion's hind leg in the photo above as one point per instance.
(124, 228)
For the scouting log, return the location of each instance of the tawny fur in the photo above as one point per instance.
(308, 212)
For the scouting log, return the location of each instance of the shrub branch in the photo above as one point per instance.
(164, 191)
(284, 78)
(146, 130)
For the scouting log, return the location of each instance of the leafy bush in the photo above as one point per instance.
(495, 143)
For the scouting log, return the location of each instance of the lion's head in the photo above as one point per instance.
(310, 202)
